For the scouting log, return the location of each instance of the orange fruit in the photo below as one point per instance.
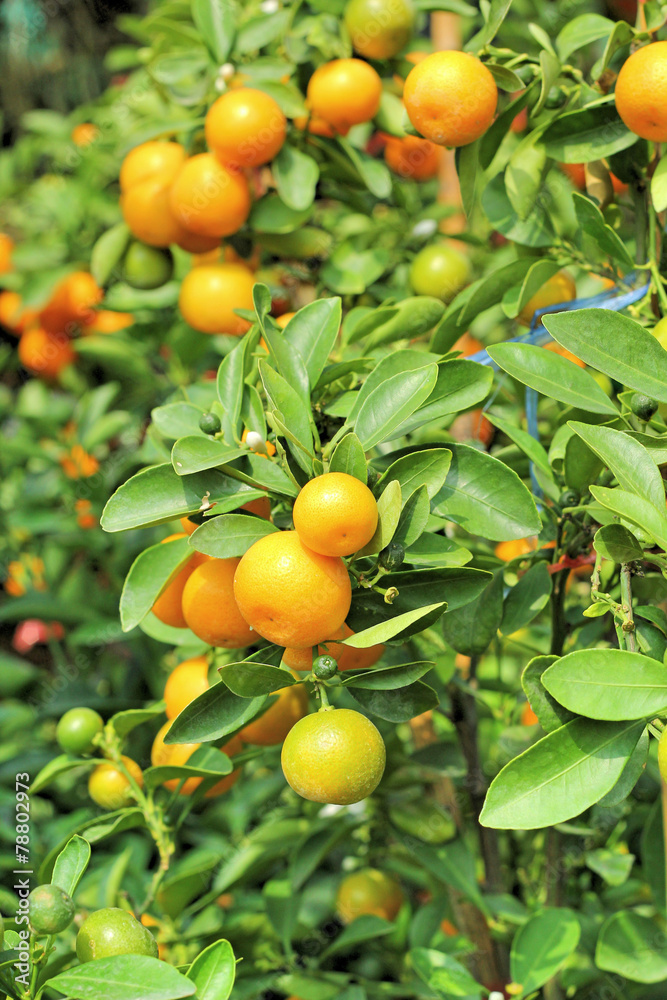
(412, 157)
(467, 345)
(177, 754)
(44, 353)
(13, 314)
(72, 303)
(559, 288)
(147, 211)
(641, 92)
(272, 727)
(528, 717)
(358, 659)
(289, 594)
(82, 135)
(210, 294)
(107, 321)
(472, 426)
(185, 683)
(209, 608)
(302, 659)
(576, 172)
(315, 125)
(151, 159)
(564, 353)
(335, 514)
(450, 98)
(283, 320)
(336, 756)
(260, 507)
(188, 525)
(245, 127)
(343, 93)
(168, 607)
(202, 246)
(109, 788)
(368, 891)
(515, 548)
(378, 29)
(208, 198)
(6, 248)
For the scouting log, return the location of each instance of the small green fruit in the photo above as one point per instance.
(51, 909)
(147, 267)
(209, 423)
(324, 667)
(643, 406)
(392, 556)
(77, 729)
(113, 931)
(568, 498)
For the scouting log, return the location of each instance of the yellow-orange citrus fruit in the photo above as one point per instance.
(85, 133)
(109, 788)
(343, 93)
(45, 353)
(302, 659)
(147, 211)
(412, 157)
(368, 891)
(528, 717)
(210, 294)
(559, 288)
(245, 127)
(283, 320)
(177, 754)
(188, 525)
(515, 548)
(378, 29)
(107, 321)
(209, 607)
(641, 92)
(209, 198)
(564, 353)
(14, 315)
(439, 270)
(272, 727)
(335, 514)
(6, 248)
(200, 246)
(289, 594)
(185, 683)
(450, 98)
(336, 756)
(168, 606)
(472, 426)
(358, 659)
(151, 159)
(72, 303)
(261, 507)
(467, 345)
(316, 126)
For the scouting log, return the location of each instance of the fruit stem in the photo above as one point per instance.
(628, 626)
(324, 698)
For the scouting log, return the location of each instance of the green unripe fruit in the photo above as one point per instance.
(147, 267)
(378, 29)
(324, 667)
(113, 931)
(643, 406)
(392, 556)
(51, 909)
(568, 498)
(440, 271)
(209, 423)
(77, 729)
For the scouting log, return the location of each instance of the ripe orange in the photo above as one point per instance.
(245, 127)
(185, 683)
(13, 314)
(208, 198)
(302, 659)
(472, 426)
(412, 157)
(107, 321)
(315, 125)
(559, 288)
(467, 345)
(368, 891)
(109, 788)
(210, 294)
(150, 159)
(85, 133)
(358, 659)
(289, 594)
(378, 29)
(343, 93)
(168, 604)
(336, 756)
(201, 246)
(450, 98)
(188, 525)
(72, 303)
(576, 172)
(515, 548)
(178, 754)
(564, 353)
(147, 211)
(209, 607)
(283, 320)
(44, 353)
(335, 514)
(641, 92)
(272, 727)
(528, 717)
(6, 248)
(261, 507)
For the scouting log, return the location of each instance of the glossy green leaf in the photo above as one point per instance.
(391, 403)
(532, 448)
(580, 32)
(251, 679)
(198, 453)
(635, 509)
(387, 678)
(70, 864)
(409, 318)
(108, 253)
(313, 333)
(610, 684)
(296, 175)
(271, 215)
(230, 380)
(176, 420)
(659, 187)
(552, 376)
(527, 598)
(470, 629)
(395, 363)
(206, 762)
(288, 362)
(581, 466)
(427, 467)
(526, 170)
(57, 766)
(436, 550)
(616, 542)
(631, 774)
(632, 946)
(542, 946)
(630, 462)
(216, 24)
(518, 296)
(230, 535)
(607, 240)
(551, 715)
(149, 574)
(560, 776)
(123, 977)
(485, 497)
(295, 415)
(414, 517)
(213, 971)
(398, 705)
(392, 627)
(443, 974)
(389, 514)
(349, 457)
(460, 385)
(587, 134)
(214, 714)
(124, 722)
(612, 866)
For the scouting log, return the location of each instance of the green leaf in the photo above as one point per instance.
(470, 629)
(389, 514)
(526, 170)
(108, 252)
(349, 458)
(527, 598)
(295, 415)
(296, 175)
(259, 31)
(630, 462)
(485, 497)
(467, 166)
(214, 714)
(542, 946)
(613, 866)
(197, 453)
(250, 680)
(592, 222)
(443, 974)
(313, 332)
(460, 385)
(392, 627)
(388, 678)
(124, 298)
(123, 977)
(453, 865)
(364, 928)
(271, 215)
(414, 517)
(609, 684)
(230, 381)
(561, 775)
(157, 495)
(288, 362)
(230, 535)
(632, 772)
(399, 705)
(395, 363)
(215, 22)
(587, 134)
(124, 722)
(206, 762)
(580, 32)
(517, 297)
(615, 345)
(56, 767)
(633, 947)
(391, 403)
(615, 542)
(70, 864)
(427, 467)
(149, 574)
(552, 376)
(536, 230)
(532, 448)
(409, 318)
(659, 187)
(581, 466)
(374, 174)
(175, 420)
(494, 16)
(213, 971)
(551, 715)
(635, 509)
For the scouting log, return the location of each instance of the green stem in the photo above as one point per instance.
(628, 626)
